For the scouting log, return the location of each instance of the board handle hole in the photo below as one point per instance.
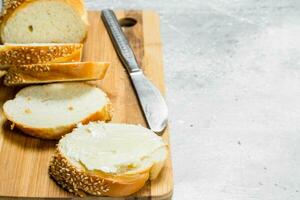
(127, 22)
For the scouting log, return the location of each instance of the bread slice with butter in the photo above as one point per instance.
(55, 72)
(43, 21)
(107, 159)
(52, 110)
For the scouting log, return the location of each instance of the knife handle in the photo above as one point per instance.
(119, 40)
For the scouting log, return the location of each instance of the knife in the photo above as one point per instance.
(151, 101)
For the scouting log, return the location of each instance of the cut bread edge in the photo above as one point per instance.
(161, 154)
(10, 8)
(104, 114)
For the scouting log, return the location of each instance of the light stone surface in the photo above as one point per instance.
(233, 77)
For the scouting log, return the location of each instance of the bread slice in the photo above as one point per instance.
(52, 110)
(107, 159)
(23, 54)
(55, 72)
(43, 21)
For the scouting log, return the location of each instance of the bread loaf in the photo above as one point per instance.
(43, 21)
(107, 159)
(22, 54)
(52, 110)
(55, 72)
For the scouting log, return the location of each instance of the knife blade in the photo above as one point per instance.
(151, 101)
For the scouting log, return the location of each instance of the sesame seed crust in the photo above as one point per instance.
(11, 78)
(82, 182)
(9, 6)
(54, 72)
(15, 75)
(34, 54)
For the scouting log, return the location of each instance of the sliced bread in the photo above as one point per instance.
(52, 110)
(22, 54)
(43, 21)
(55, 72)
(107, 159)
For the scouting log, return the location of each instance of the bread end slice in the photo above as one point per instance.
(62, 21)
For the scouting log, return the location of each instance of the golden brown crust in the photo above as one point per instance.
(55, 72)
(23, 55)
(79, 6)
(11, 6)
(104, 115)
(56, 133)
(79, 181)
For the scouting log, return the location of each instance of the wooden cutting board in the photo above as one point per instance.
(24, 159)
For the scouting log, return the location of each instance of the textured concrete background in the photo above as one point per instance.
(233, 76)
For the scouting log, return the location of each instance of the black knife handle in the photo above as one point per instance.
(119, 40)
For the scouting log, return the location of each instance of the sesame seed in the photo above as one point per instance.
(12, 126)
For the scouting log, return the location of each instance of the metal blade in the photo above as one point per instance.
(153, 104)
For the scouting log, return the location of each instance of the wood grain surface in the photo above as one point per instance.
(24, 160)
